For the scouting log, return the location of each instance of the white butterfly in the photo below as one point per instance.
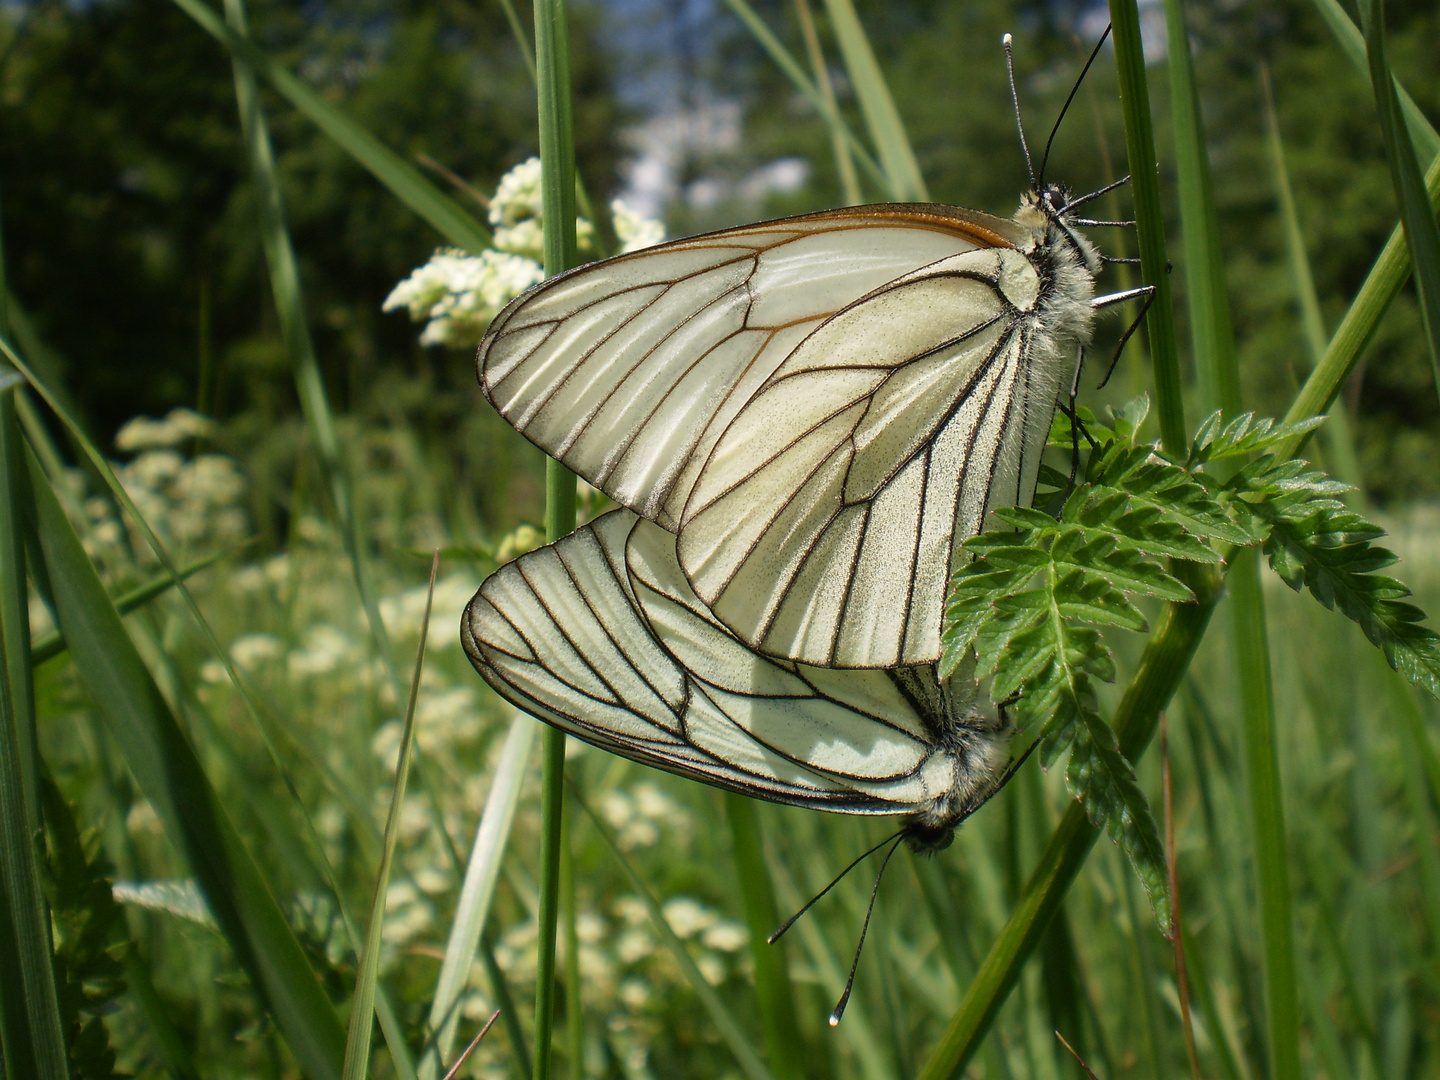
(822, 408)
(601, 635)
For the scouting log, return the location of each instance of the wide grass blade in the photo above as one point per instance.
(52, 644)
(1267, 817)
(1422, 234)
(1212, 337)
(557, 200)
(1352, 44)
(1219, 376)
(29, 1011)
(444, 214)
(482, 872)
(167, 771)
(773, 993)
(792, 69)
(730, 1029)
(844, 159)
(362, 1005)
(1150, 222)
(1339, 441)
(882, 118)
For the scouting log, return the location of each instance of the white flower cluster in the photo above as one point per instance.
(457, 294)
(142, 433)
(193, 504)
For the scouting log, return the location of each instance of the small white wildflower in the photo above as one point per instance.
(475, 1006)
(107, 533)
(639, 833)
(711, 968)
(633, 946)
(653, 803)
(687, 917)
(152, 470)
(517, 196)
(634, 993)
(725, 936)
(590, 927)
(96, 508)
(432, 880)
(142, 433)
(210, 478)
(325, 649)
(252, 650)
(631, 910)
(617, 808)
(633, 230)
(213, 672)
(247, 579)
(385, 744)
(277, 569)
(401, 893)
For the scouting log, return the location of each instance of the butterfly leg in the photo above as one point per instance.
(1148, 292)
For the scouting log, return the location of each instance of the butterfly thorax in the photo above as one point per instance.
(975, 735)
(1067, 264)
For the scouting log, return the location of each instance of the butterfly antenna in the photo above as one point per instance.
(778, 934)
(1045, 158)
(855, 964)
(1015, 101)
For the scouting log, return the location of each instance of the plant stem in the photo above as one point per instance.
(557, 194)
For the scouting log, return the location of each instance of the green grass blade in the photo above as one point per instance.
(1267, 816)
(1376, 293)
(1422, 234)
(844, 159)
(295, 328)
(557, 198)
(362, 1005)
(1162, 667)
(792, 69)
(882, 118)
(482, 872)
(1352, 44)
(1150, 222)
(52, 644)
(444, 214)
(1339, 440)
(31, 1014)
(1219, 375)
(1212, 336)
(730, 1030)
(773, 993)
(167, 771)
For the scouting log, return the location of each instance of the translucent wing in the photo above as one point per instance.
(818, 406)
(601, 635)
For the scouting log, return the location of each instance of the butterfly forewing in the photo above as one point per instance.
(820, 407)
(612, 645)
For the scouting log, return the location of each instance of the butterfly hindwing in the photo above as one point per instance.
(601, 635)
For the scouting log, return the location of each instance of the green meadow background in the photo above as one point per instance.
(204, 209)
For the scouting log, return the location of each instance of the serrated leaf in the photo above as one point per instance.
(1083, 595)
(1104, 782)
(1025, 517)
(1126, 569)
